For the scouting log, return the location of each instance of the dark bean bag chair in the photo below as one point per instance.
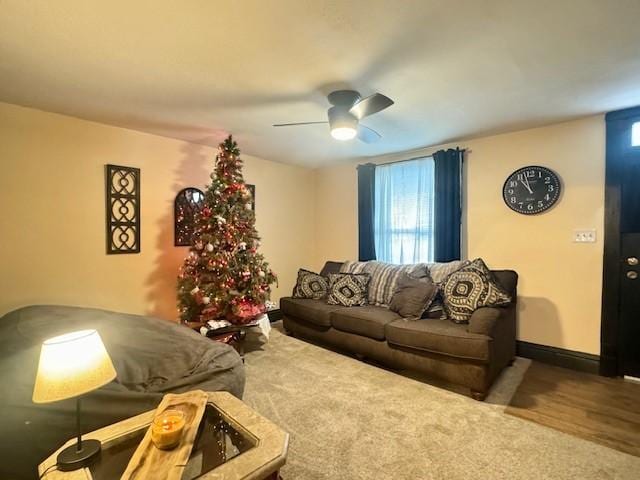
(151, 356)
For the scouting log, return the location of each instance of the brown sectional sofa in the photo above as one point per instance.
(470, 355)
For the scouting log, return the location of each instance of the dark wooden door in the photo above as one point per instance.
(621, 289)
(630, 302)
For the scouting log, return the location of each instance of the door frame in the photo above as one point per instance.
(618, 144)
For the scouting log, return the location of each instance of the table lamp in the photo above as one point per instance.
(70, 366)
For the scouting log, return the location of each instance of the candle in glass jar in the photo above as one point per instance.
(166, 429)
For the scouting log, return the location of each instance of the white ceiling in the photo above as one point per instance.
(196, 69)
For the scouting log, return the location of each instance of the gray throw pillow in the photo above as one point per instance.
(348, 289)
(331, 267)
(412, 296)
(310, 285)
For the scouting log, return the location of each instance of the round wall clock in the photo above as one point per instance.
(531, 190)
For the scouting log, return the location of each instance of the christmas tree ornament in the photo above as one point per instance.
(209, 247)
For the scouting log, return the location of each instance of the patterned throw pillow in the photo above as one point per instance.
(348, 289)
(470, 288)
(439, 273)
(310, 285)
(384, 277)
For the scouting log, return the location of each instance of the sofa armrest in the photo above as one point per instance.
(484, 320)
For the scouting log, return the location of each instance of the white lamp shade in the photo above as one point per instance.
(71, 365)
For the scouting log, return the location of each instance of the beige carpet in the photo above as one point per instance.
(351, 420)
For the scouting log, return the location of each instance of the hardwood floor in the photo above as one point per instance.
(599, 409)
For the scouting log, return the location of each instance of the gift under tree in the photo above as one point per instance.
(224, 276)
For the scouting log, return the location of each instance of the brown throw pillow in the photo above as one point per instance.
(412, 296)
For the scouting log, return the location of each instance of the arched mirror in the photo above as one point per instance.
(187, 204)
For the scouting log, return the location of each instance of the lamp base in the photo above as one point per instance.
(71, 459)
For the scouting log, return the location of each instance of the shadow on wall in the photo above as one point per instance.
(193, 170)
(539, 315)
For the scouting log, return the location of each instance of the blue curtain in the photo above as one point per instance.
(366, 186)
(448, 205)
(404, 211)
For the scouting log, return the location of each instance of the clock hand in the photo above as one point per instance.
(527, 186)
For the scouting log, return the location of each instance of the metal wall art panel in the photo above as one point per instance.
(123, 209)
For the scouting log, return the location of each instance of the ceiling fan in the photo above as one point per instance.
(347, 111)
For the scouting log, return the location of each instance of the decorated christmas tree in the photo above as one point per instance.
(224, 276)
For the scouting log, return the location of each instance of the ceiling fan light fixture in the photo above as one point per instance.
(343, 133)
(344, 126)
(348, 108)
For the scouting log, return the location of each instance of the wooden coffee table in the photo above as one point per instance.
(233, 442)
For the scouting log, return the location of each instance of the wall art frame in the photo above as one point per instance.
(122, 195)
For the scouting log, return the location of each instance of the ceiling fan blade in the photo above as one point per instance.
(367, 135)
(299, 123)
(370, 105)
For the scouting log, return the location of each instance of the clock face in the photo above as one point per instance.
(531, 190)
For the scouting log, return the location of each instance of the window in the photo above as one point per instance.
(635, 134)
(404, 211)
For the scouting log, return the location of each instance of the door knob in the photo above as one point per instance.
(632, 261)
(631, 275)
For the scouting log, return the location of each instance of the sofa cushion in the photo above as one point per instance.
(439, 273)
(439, 336)
(384, 277)
(470, 288)
(348, 289)
(412, 296)
(441, 270)
(368, 321)
(310, 285)
(313, 311)
(331, 267)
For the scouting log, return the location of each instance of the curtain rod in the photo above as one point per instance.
(462, 150)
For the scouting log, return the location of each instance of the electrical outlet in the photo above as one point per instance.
(584, 236)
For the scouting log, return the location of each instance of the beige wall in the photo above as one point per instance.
(560, 281)
(52, 218)
(52, 213)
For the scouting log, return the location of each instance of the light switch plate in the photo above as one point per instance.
(584, 236)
